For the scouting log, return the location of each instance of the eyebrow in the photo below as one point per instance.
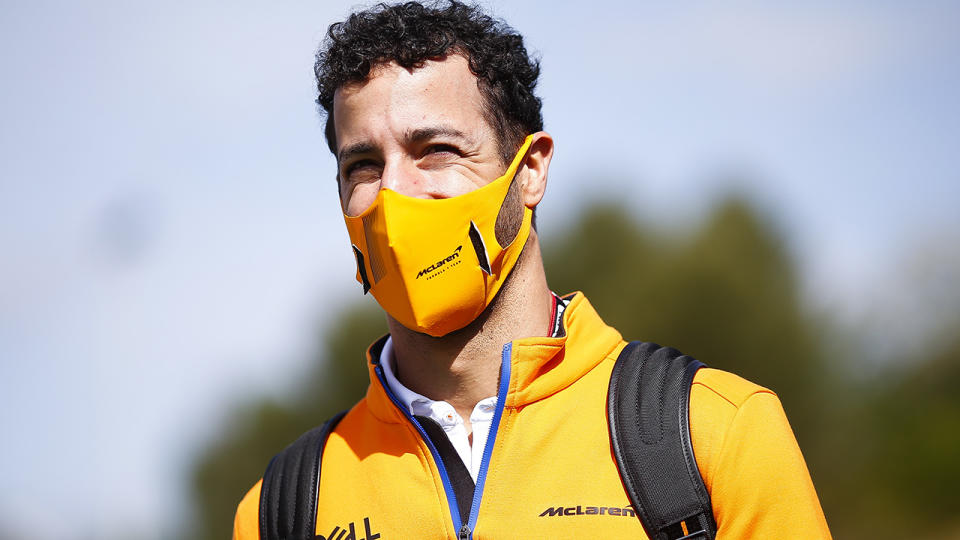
(354, 149)
(412, 136)
(426, 133)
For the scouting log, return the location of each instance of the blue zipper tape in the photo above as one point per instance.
(491, 436)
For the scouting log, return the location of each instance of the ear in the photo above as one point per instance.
(535, 167)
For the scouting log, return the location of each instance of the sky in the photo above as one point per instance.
(171, 238)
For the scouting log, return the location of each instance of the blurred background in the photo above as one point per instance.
(773, 190)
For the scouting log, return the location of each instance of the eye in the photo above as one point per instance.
(442, 149)
(363, 170)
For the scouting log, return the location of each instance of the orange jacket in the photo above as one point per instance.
(549, 471)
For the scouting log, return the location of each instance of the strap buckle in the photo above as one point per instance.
(689, 528)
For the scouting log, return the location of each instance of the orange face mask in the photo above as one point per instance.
(435, 264)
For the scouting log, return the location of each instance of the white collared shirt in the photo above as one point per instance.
(445, 415)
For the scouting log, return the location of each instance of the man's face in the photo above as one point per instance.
(421, 133)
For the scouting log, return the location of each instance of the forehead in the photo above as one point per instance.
(395, 100)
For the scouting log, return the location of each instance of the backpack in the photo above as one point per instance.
(648, 413)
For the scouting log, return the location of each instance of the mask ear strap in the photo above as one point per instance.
(521, 156)
(504, 230)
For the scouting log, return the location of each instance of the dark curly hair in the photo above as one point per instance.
(411, 33)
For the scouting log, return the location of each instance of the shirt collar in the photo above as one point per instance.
(404, 394)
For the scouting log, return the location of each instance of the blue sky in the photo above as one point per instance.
(171, 236)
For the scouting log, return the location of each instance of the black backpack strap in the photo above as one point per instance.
(288, 495)
(648, 411)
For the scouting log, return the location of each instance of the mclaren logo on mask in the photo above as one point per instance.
(439, 264)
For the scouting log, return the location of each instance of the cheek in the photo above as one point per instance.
(359, 199)
(456, 180)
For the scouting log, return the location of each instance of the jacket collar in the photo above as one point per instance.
(540, 366)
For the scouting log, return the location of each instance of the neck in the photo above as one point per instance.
(463, 367)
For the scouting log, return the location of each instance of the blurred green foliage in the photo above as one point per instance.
(882, 450)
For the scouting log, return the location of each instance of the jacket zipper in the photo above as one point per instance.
(464, 530)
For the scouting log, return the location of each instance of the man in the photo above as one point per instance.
(486, 411)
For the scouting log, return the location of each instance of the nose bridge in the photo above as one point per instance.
(401, 174)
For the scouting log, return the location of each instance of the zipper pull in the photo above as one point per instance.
(464, 533)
